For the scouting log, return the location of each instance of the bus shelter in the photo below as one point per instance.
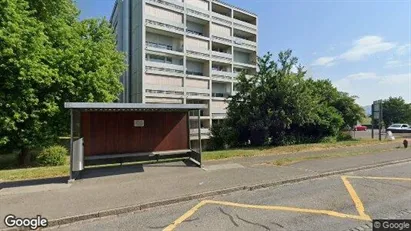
(121, 132)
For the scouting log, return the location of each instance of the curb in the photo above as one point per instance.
(135, 208)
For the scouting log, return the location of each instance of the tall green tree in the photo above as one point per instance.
(48, 57)
(277, 106)
(396, 110)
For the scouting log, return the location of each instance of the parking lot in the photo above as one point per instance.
(344, 202)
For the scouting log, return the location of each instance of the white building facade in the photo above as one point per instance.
(184, 52)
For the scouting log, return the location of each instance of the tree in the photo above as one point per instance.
(396, 110)
(48, 57)
(277, 106)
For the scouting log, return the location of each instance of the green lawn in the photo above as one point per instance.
(10, 172)
(232, 153)
(288, 161)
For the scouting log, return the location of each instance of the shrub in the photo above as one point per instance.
(343, 136)
(52, 156)
(329, 139)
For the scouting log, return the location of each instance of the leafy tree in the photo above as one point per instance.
(277, 106)
(48, 57)
(396, 110)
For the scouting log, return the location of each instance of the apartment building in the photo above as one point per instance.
(185, 52)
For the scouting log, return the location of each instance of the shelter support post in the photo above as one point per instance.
(196, 154)
(71, 144)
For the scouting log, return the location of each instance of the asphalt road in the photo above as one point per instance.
(333, 203)
(367, 134)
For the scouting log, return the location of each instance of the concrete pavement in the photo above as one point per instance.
(320, 204)
(131, 188)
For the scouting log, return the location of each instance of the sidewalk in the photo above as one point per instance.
(112, 188)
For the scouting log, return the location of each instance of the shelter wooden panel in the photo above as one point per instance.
(114, 132)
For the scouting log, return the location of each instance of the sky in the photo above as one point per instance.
(362, 46)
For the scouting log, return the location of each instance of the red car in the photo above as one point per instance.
(360, 128)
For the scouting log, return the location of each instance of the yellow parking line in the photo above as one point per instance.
(185, 216)
(355, 198)
(379, 178)
(190, 212)
(290, 209)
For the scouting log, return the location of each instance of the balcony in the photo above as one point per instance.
(221, 95)
(228, 40)
(222, 75)
(168, 4)
(163, 24)
(204, 131)
(245, 26)
(152, 46)
(242, 64)
(221, 56)
(164, 68)
(197, 53)
(164, 93)
(197, 95)
(219, 115)
(197, 12)
(247, 44)
(222, 19)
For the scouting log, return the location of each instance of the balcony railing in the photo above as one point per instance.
(188, 72)
(164, 24)
(197, 12)
(219, 115)
(245, 25)
(201, 53)
(164, 92)
(219, 38)
(159, 46)
(204, 131)
(173, 5)
(222, 74)
(221, 18)
(220, 95)
(165, 68)
(198, 94)
(245, 43)
(222, 56)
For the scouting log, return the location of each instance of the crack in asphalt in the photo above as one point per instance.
(229, 215)
(253, 223)
(157, 227)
